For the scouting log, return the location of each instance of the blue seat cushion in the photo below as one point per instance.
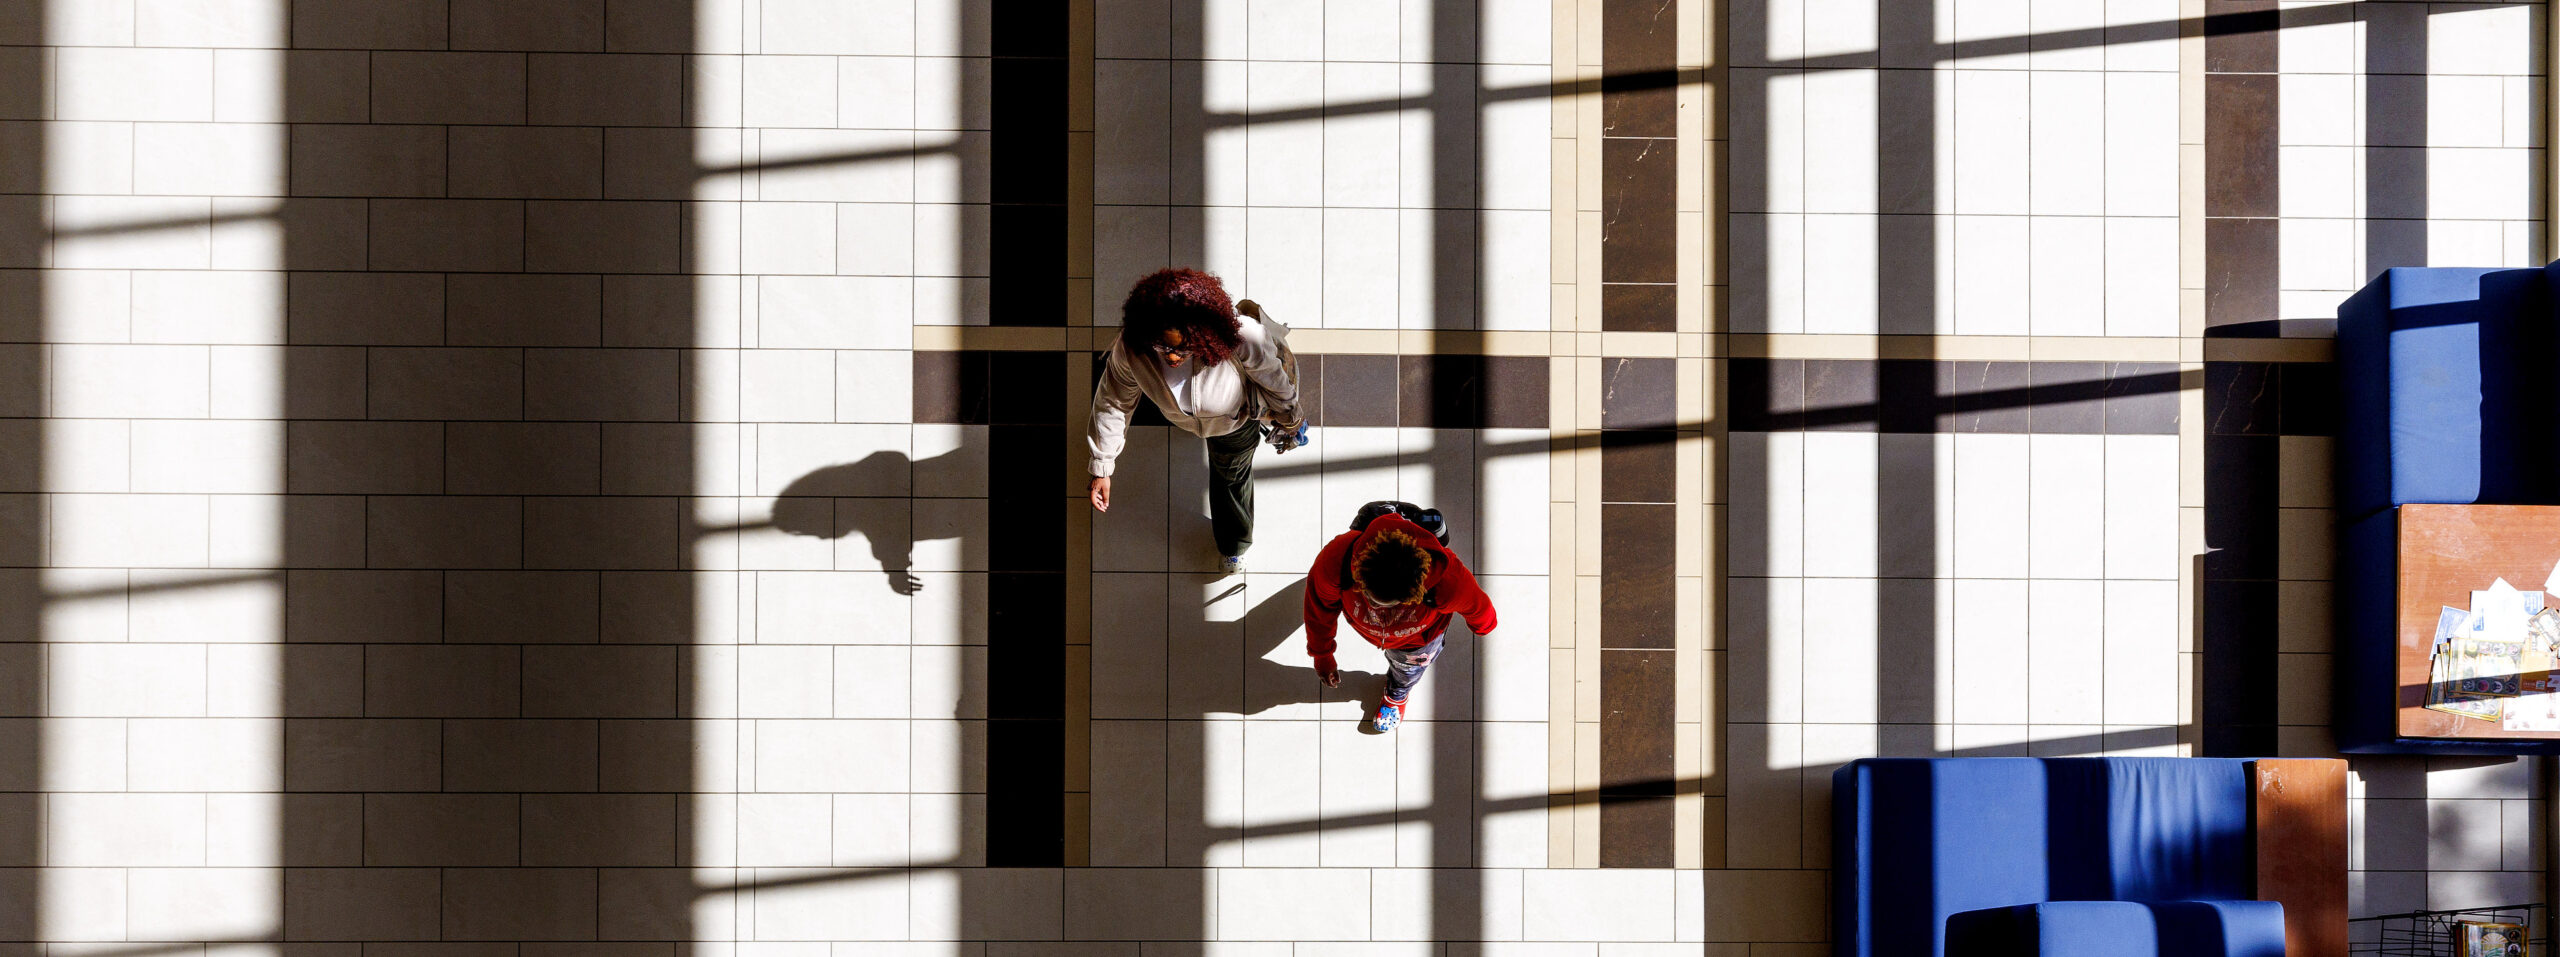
(2120, 929)
(2435, 367)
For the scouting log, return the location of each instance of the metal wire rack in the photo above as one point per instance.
(2439, 933)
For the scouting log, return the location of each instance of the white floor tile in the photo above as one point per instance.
(1990, 651)
(1764, 639)
(2066, 659)
(1846, 249)
(1596, 904)
(2142, 661)
(1281, 786)
(1991, 292)
(1358, 779)
(1992, 488)
(1129, 645)
(2141, 143)
(1992, 146)
(2141, 492)
(1840, 650)
(1840, 114)
(2069, 252)
(2066, 136)
(2066, 510)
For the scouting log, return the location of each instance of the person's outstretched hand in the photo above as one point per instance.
(1100, 491)
(1249, 307)
(1327, 673)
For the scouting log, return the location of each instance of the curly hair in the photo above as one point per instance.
(1391, 566)
(1183, 300)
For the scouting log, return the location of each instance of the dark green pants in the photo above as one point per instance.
(1231, 488)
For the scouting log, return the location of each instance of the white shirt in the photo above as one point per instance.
(1205, 400)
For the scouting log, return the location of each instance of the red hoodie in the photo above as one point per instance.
(1452, 590)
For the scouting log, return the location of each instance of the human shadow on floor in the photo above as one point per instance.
(1272, 626)
(841, 500)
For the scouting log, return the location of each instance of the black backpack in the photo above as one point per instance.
(1428, 518)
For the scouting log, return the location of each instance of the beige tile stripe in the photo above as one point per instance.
(1573, 822)
(2193, 351)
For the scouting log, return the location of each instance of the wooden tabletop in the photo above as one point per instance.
(2446, 553)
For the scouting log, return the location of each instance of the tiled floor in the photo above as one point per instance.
(578, 471)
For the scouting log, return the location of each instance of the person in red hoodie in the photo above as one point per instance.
(1399, 587)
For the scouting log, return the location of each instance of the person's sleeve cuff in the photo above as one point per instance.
(1098, 468)
(1324, 663)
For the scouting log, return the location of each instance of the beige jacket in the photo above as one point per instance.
(1212, 401)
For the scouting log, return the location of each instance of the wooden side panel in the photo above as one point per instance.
(2298, 813)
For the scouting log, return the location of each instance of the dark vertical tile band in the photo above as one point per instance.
(1636, 774)
(1639, 601)
(2240, 108)
(1639, 118)
(1026, 553)
(2248, 408)
(1027, 165)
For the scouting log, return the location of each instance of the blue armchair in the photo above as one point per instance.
(2091, 857)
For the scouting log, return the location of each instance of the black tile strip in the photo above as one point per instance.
(1027, 166)
(1026, 549)
(2237, 636)
(2240, 398)
(1842, 384)
(2240, 272)
(2240, 506)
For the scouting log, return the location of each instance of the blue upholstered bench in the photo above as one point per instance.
(2112, 857)
(2444, 379)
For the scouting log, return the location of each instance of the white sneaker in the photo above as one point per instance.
(1231, 565)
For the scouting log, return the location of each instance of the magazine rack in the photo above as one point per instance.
(2437, 933)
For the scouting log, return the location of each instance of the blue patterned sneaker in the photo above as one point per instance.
(1231, 565)
(1389, 715)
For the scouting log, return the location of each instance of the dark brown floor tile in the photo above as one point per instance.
(1360, 390)
(1840, 395)
(1438, 392)
(1639, 393)
(1907, 392)
(1515, 392)
(2239, 271)
(1311, 388)
(1989, 397)
(2070, 398)
(1636, 831)
(2240, 145)
(1628, 307)
(1640, 103)
(1637, 196)
(2240, 398)
(1638, 466)
(2142, 398)
(2240, 36)
(951, 387)
(1637, 599)
(1764, 395)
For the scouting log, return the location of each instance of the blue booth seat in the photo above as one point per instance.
(2120, 929)
(2443, 381)
(2096, 856)
(2436, 368)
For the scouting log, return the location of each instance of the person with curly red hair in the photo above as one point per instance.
(1182, 347)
